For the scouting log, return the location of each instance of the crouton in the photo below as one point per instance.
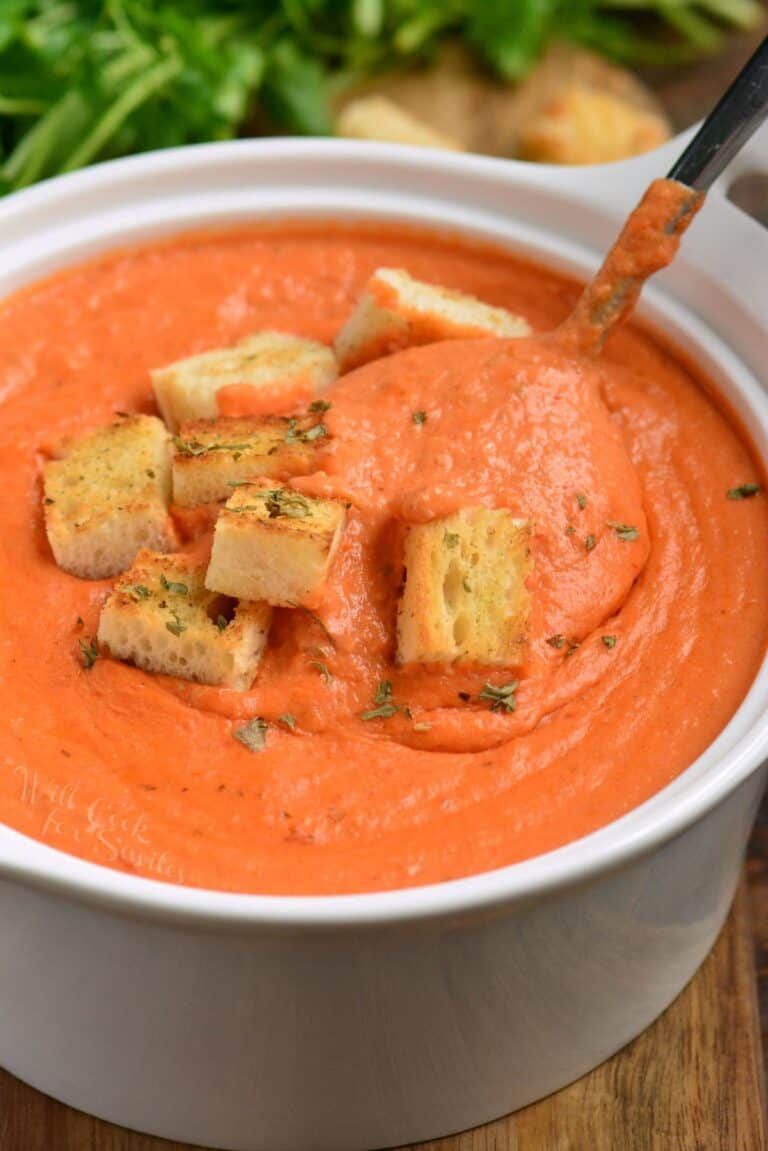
(465, 596)
(379, 118)
(212, 456)
(107, 496)
(162, 618)
(274, 544)
(274, 362)
(585, 126)
(396, 311)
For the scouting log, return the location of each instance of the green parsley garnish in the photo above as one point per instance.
(609, 641)
(137, 591)
(556, 641)
(196, 448)
(171, 585)
(252, 735)
(590, 542)
(743, 492)
(288, 719)
(581, 500)
(573, 645)
(502, 698)
(222, 622)
(322, 668)
(89, 651)
(624, 531)
(296, 435)
(569, 529)
(419, 417)
(177, 626)
(384, 707)
(451, 539)
(320, 406)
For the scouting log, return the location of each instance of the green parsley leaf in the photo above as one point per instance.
(419, 417)
(556, 641)
(252, 735)
(296, 435)
(288, 719)
(137, 591)
(322, 668)
(743, 492)
(609, 641)
(581, 500)
(624, 531)
(451, 539)
(502, 698)
(320, 406)
(177, 626)
(171, 585)
(590, 542)
(385, 711)
(90, 652)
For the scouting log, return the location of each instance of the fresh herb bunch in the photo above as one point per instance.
(83, 80)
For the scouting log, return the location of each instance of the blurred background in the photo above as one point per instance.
(563, 81)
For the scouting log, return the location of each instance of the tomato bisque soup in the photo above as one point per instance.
(646, 581)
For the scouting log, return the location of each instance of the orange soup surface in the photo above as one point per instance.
(649, 588)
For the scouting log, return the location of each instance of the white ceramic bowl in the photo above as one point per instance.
(334, 1023)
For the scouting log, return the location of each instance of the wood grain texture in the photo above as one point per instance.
(692, 1082)
(757, 872)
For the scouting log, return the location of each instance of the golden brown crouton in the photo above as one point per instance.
(274, 544)
(379, 118)
(584, 126)
(162, 618)
(274, 362)
(107, 496)
(396, 311)
(465, 596)
(212, 456)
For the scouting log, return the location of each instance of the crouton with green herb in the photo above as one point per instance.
(106, 495)
(162, 618)
(275, 363)
(211, 457)
(274, 544)
(465, 596)
(396, 311)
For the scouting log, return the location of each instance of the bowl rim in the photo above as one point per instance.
(685, 800)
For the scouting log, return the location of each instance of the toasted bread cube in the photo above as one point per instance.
(396, 311)
(162, 618)
(586, 126)
(107, 496)
(465, 596)
(213, 456)
(379, 118)
(273, 362)
(274, 544)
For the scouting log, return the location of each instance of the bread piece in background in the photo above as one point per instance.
(380, 118)
(584, 126)
(457, 99)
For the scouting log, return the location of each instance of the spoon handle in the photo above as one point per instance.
(727, 128)
(652, 233)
